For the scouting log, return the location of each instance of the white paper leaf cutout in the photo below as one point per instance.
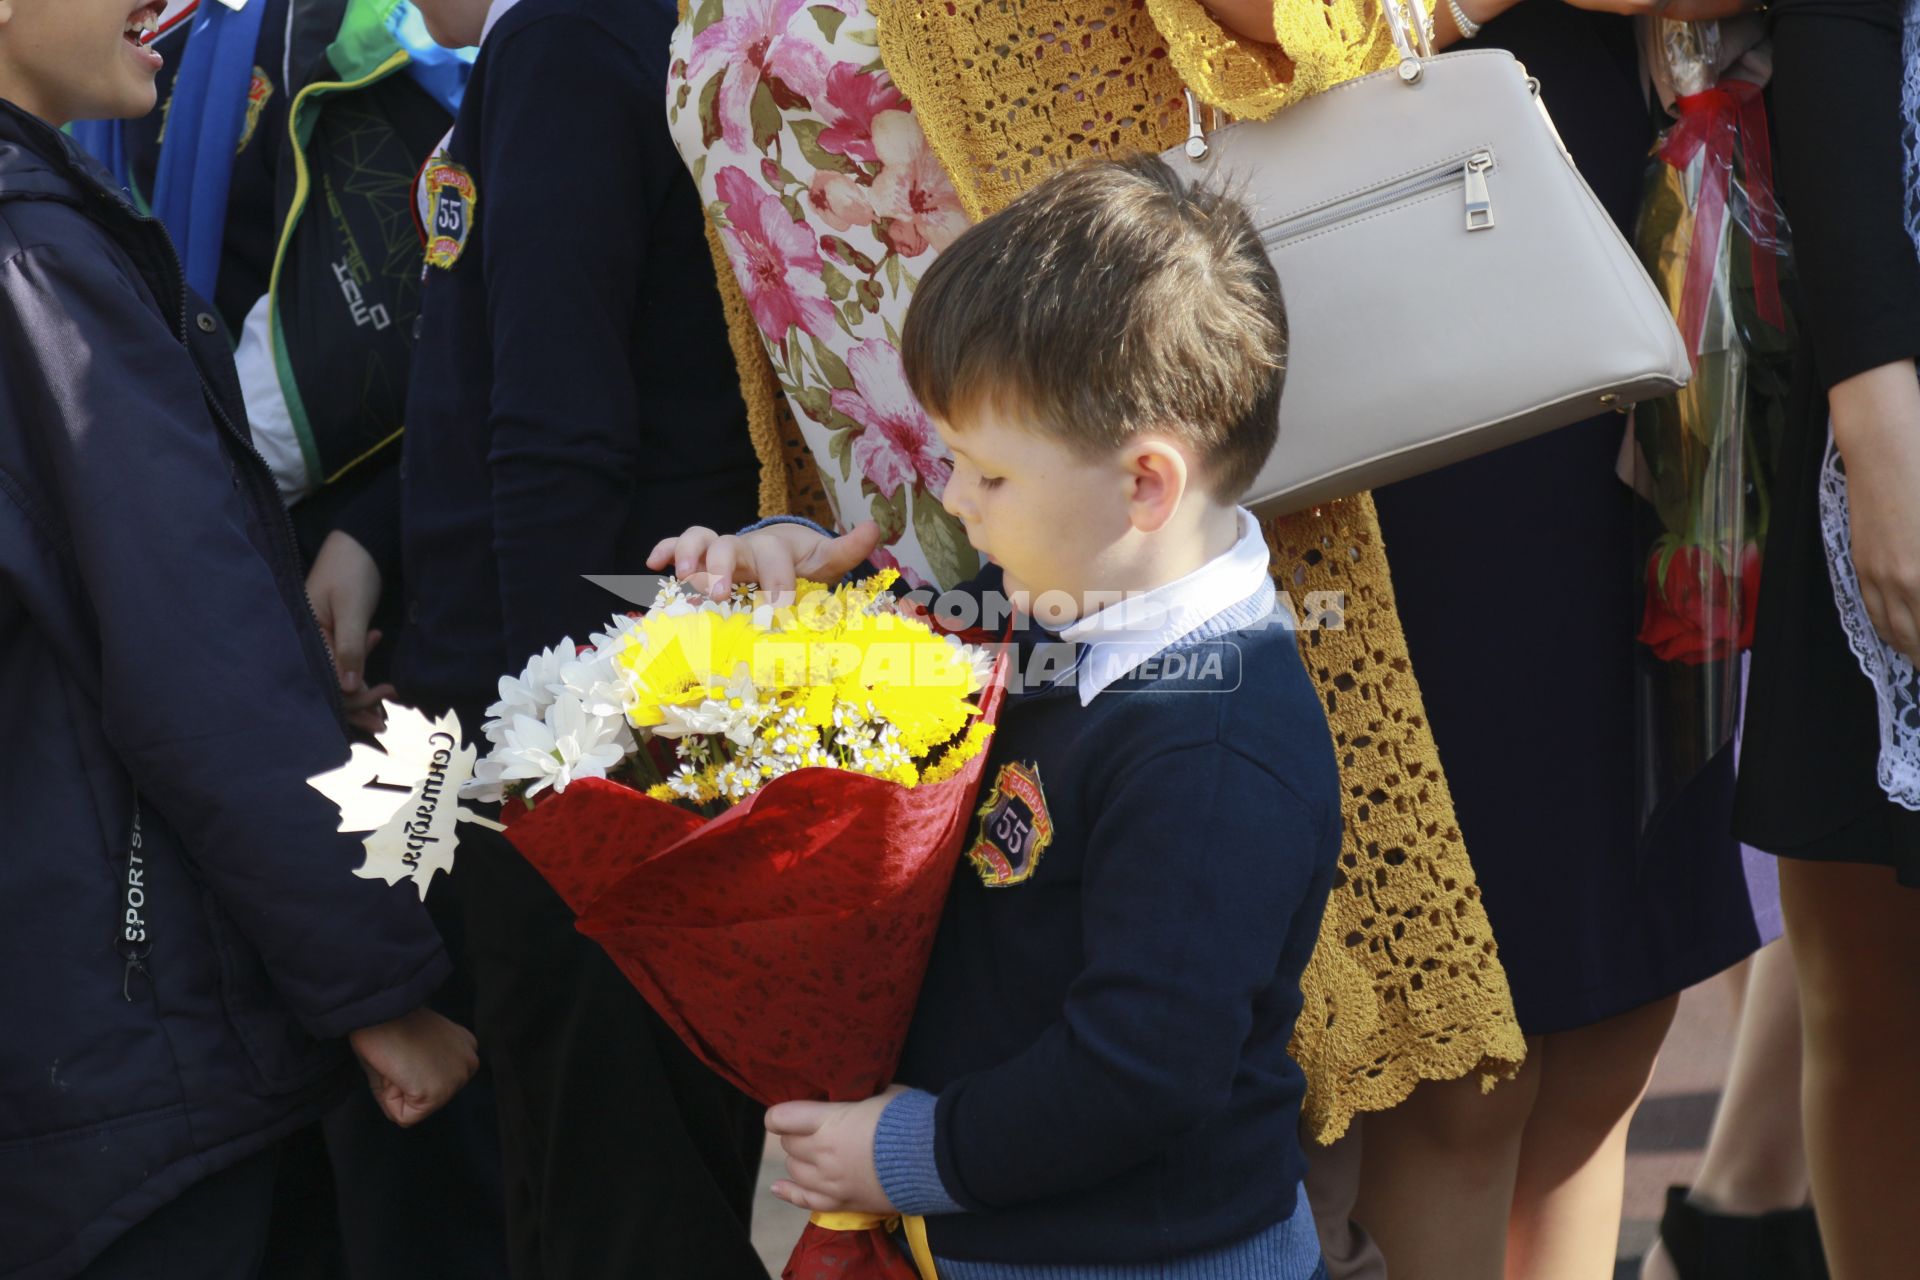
(406, 794)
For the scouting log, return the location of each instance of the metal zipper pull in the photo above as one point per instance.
(1479, 200)
(1196, 130)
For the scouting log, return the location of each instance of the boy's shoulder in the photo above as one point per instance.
(44, 188)
(629, 25)
(1240, 693)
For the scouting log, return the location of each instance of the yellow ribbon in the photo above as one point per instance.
(914, 1225)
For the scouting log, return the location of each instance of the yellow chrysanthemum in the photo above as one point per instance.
(679, 659)
(958, 756)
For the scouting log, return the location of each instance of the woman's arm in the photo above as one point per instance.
(1837, 104)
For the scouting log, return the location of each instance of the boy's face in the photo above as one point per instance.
(454, 24)
(67, 60)
(1050, 517)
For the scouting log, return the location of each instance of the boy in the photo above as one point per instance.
(191, 956)
(1097, 1079)
(573, 398)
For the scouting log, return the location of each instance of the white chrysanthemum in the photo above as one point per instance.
(734, 716)
(567, 745)
(978, 657)
(532, 693)
(488, 784)
(603, 686)
(619, 627)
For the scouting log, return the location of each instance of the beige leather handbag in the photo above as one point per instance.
(1452, 284)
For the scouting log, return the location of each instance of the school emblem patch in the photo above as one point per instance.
(259, 93)
(452, 201)
(1015, 828)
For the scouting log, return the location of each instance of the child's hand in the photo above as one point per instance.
(775, 557)
(829, 1148)
(344, 588)
(416, 1063)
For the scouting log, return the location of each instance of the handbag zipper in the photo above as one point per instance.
(1470, 174)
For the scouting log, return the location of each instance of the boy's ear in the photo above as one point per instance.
(1158, 477)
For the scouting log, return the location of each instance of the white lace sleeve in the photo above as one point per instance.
(1895, 686)
(1910, 117)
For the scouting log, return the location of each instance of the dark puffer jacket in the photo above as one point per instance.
(154, 642)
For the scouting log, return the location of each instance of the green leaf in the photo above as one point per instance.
(854, 313)
(765, 114)
(942, 541)
(717, 213)
(869, 295)
(807, 133)
(890, 513)
(815, 402)
(708, 13)
(893, 271)
(838, 286)
(829, 20)
(792, 204)
(832, 367)
(893, 334)
(710, 109)
(699, 168)
(865, 35)
(841, 447)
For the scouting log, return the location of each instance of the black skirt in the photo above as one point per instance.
(1808, 784)
(1517, 585)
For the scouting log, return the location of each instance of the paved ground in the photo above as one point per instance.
(1665, 1143)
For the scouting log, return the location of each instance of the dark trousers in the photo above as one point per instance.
(359, 1198)
(625, 1158)
(215, 1230)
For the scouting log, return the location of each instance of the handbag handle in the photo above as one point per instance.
(1413, 46)
(1415, 43)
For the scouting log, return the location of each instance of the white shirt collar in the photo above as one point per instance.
(1123, 635)
(496, 11)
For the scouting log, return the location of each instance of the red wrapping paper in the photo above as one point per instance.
(784, 941)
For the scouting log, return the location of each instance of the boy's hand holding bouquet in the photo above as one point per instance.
(754, 800)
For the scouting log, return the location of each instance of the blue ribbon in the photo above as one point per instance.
(204, 125)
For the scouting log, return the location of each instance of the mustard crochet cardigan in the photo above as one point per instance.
(1406, 984)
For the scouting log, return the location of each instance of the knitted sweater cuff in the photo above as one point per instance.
(903, 1156)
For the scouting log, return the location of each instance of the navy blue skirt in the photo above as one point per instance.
(1518, 588)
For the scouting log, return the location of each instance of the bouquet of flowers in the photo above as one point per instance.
(1711, 235)
(757, 811)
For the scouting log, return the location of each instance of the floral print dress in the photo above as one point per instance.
(830, 204)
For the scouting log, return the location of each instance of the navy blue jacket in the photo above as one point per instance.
(1106, 1014)
(155, 641)
(573, 397)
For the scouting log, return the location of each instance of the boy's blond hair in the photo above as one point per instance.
(1111, 299)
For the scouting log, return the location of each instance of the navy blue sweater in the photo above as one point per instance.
(1107, 1025)
(573, 396)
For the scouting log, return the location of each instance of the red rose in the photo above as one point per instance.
(1691, 614)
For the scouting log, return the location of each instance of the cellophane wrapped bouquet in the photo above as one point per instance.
(757, 812)
(1712, 237)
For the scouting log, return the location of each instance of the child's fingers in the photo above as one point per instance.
(833, 559)
(721, 562)
(773, 567)
(801, 1198)
(691, 551)
(662, 554)
(797, 1119)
